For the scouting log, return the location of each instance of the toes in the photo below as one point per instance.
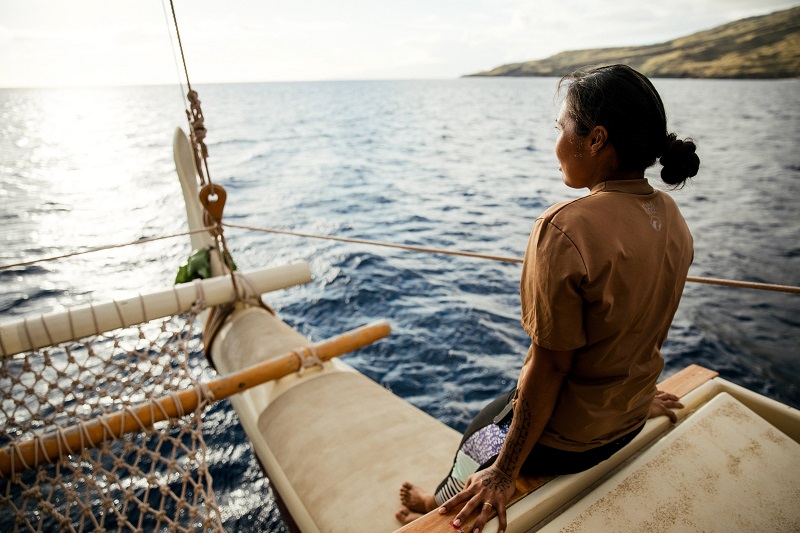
(407, 494)
(406, 516)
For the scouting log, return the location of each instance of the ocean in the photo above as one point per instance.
(463, 164)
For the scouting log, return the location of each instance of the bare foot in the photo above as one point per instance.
(405, 516)
(416, 499)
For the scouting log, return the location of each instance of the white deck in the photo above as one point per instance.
(724, 469)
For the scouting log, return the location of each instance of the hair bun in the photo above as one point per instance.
(679, 160)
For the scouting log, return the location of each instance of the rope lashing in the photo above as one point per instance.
(198, 134)
(307, 357)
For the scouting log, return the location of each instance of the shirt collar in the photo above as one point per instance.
(635, 186)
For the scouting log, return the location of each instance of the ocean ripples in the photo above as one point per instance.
(462, 164)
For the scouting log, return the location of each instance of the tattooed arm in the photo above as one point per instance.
(537, 392)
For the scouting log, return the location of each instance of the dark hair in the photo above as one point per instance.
(625, 102)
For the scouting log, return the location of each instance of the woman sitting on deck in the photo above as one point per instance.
(602, 279)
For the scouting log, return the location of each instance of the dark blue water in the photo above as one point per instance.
(462, 164)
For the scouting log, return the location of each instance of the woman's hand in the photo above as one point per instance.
(487, 489)
(663, 404)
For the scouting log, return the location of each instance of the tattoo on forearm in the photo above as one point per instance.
(512, 458)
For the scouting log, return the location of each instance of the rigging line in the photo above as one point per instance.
(745, 284)
(174, 59)
(693, 279)
(195, 115)
(379, 243)
(180, 44)
(101, 248)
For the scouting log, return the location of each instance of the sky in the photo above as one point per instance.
(127, 42)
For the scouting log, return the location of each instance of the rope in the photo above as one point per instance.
(745, 284)
(101, 248)
(180, 44)
(307, 359)
(693, 279)
(379, 243)
(194, 113)
(172, 47)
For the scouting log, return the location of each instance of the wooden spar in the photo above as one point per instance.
(27, 455)
(32, 333)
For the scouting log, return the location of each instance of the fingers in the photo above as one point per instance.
(501, 517)
(486, 514)
(663, 395)
(487, 510)
(467, 510)
(663, 404)
(454, 501)
(480, 500)
(670, 400)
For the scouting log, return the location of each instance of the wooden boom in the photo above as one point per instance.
(17, 458)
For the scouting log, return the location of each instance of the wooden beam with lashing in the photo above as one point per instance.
(679, 384)
(21, 456)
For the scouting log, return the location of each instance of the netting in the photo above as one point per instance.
(154, 479)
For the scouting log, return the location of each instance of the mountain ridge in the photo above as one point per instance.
(760, 47)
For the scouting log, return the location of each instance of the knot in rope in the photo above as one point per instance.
(307, 359)
(205, 396)
(198, 134)
(199, 303)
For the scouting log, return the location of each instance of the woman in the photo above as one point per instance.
(601, 281)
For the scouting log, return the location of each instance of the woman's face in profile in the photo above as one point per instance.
(570, 151)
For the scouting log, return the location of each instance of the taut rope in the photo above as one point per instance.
(503, 259)
(101, 248)
(693, 279)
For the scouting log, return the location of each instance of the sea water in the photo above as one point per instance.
(458, 164)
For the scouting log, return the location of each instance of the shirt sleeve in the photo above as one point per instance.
(550, 289)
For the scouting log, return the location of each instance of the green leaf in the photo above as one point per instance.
(198, 266)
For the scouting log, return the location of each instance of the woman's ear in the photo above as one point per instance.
(598, 138)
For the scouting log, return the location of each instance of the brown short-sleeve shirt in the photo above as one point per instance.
(603, 275)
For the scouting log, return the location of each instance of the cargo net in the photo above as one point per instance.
(153, 479)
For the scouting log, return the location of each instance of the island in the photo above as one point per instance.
(763, 47)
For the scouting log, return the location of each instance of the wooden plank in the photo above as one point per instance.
(434, 522)
(687, 380)
(679, 384)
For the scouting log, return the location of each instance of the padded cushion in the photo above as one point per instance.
(346, 445)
